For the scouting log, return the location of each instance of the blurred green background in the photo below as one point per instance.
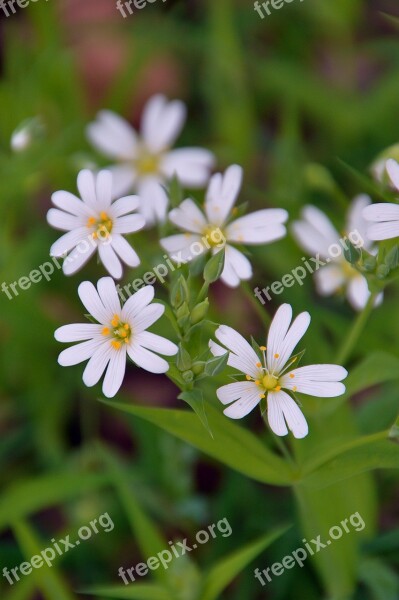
(315, 83)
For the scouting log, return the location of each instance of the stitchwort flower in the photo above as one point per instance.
(260, 227)
(94, 223)
(118, 333)
(315, 233)
(145, 160)
(271, 376)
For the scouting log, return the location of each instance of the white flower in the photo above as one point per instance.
(261, 227)
(94, 223)
(269, 377)
(318, 236)
(145, 160)
(120, 332)
(384, 216)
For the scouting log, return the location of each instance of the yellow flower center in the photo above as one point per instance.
(119, 331)
(269, 382)
(214, 236)
(147, 164)
(102, 226)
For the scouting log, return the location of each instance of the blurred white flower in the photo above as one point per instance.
(269, 377)
(26, 133)
(260, 227)
(120, 332)
(94, 223)
(385, 216)
(146, 160)
(378, 168)
(316, 234)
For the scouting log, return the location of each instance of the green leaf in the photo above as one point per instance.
(47, 578)
(232, 445)
(135, 591)
(32, 495)
(175, 192)
(216, 365)
(223, 573)
(381, 580)
(365, 454)
(195, 399)
(150, 540)
(351, 253)
(214, 267)
(376, 368)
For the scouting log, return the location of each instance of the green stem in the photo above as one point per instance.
(358, 326)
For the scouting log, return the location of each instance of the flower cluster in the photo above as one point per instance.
(104, 213)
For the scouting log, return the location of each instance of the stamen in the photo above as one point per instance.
(257, 382)
(105, 331)
(277, 388)
(248, 377)
(294, 389)
(103, 216)
(258, 364)
(116, 344)
(263, 348)
(276, 356)
(263, 396)
(90, 222)
(115, 321)
(292, 375)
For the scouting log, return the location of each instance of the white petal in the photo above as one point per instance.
(137, 302)
(281, 402)
(329, 279)
(110, 260)
(315, 232)
(112, 135)
(216, 349)
(260, 227)
(71, 204)
(68, 241)
(87, 188)
(77, 332)
(109, 296)
(383, 231)
(392, 168)
(97, 364)
(242, 407)
(358, 292)
(104, 190)
(124, 205)
(125, 251)
(115, 373)
(124, 178)
(180, 246)
(154, 201)
(222, 194)
(356, 221)
(159, 344)
(147, 360)
(162, 122)
(386, 211)
(78, 257)
(64, 221)
(128, 224)
(236, 267)
(322, 381)
(235, 391)
(147, 317)
(244, 357)
(188, 217)
(279, 349)
(192, 166)
(79, 353)
(92, 302)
